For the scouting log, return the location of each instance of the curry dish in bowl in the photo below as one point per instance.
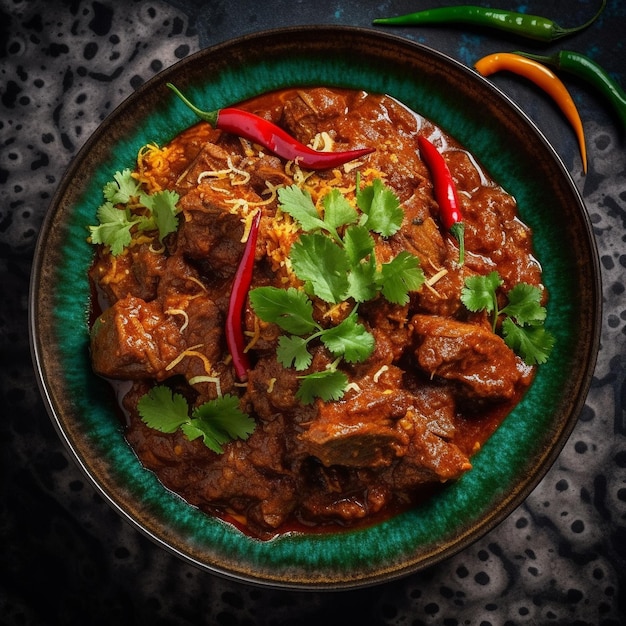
(377, 357)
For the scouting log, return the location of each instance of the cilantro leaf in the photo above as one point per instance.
(382, 207)
(219, 421)
(162, 206)
(290, 308)
(292, 351)
(532, 343)
(317, 260)
(479, 292)
(522, 327)
(335, 267)
(299, 204)
(122, 188)
(327, 385)
(358, 243)
(163, 410)
(362, 282)
(113, 229)
(349, 340)
(524, 304)
(212, 438)
(400, 276)
(337, 210)
(116, 222)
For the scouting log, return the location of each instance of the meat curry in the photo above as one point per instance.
(436, 383)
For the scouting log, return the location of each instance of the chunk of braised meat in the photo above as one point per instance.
(388, 323)
(423, 239)
(210, 236)
(272, 388)
(396, 155)
(429, 457)
(137, 339)
(361, 431)
(200, 323)
(468, 354)
(248, 480)
(378, 425)
(256, 472)
(303, 114)
(338, 494)
(134, 339)
(368, 472)
(493, 230)
(135, 272)
(180, 280)
(437, 405)
(265, 334)
(467, 176)
(184, 296)
(443, 297)
(265, 169)
(210, 158)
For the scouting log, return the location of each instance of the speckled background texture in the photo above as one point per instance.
(66, 558)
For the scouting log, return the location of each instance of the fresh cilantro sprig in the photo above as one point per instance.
(381, 208)
(128, 208)
(328, 384)
(335, 256)
(122, 188)
(522, 317)
(217, 421)
(292, 310)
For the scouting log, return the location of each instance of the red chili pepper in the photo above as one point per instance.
(445, 193)
(238, 294)
(272, 137)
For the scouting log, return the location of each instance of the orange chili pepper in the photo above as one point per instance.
(544, 78)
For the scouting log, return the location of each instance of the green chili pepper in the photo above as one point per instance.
(583, 67)
(520, 24)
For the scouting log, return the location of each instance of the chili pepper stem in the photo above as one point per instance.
(457, 230)
(207, 116)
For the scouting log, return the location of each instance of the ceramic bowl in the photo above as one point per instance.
(515, 153)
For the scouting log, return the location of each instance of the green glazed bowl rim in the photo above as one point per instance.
(490, 126)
